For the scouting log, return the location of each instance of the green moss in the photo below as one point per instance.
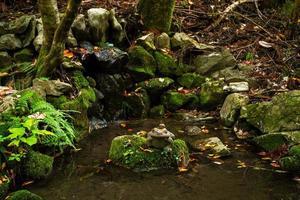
(23, 195)
(192, 101)
(211, 94)
(173, 100)
(166, 64)
(142, 72)
(25, 55)
(155, 85)
(127, 151)
(37, 166)
(290, 163)
(79, 80)
(157, 111)
(138, 104)
(270, 142)
(191, 80)
(157, 14)
(138, 56)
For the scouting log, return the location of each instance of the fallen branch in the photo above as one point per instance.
(226, 11)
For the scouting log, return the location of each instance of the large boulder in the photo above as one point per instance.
(10, 42)
(79, 28)
(173, 100)
(129, 151)
(214, 61)
(291, 161)
(280, 114)
(231, 108)
(17, 26)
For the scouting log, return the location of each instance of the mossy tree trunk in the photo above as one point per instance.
(157, 14)
(55, 34)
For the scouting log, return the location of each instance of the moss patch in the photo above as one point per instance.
(127, 151)
(23, 195)
(191, 80)
(37, 165)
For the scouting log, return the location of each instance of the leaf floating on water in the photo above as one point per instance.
(241, 164)
(266, 158)
(275, 165)
(27, 183)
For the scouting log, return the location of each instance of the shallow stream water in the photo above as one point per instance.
(85, 176)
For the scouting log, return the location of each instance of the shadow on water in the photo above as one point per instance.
(85, 176)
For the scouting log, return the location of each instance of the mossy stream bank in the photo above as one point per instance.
(86, 175)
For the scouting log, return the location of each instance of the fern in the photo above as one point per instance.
(55, 121)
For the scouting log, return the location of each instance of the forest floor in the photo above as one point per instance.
(256, 35)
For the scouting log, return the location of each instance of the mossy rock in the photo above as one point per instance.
(37, 166)
(140, 73)
(138, 104)
(80, 81)
(291, 162)
(191, 80)
(168, 65)
(273, 141)
(157, 14)
(230, 110)
(138, 56)
(157, 111)
(192, 101)
(5, 59)
(156, 85)
(280, 114)
(173, 100)
(127, 151)
(25, 55)
(211, 94)
(23, 195)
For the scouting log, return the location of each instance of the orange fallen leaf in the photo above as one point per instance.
(68, 54)
(182, 169)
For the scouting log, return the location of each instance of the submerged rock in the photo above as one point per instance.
(213, 145)
(37, 166)
(23, 195)
(231, 108)
(193, 130)
(131, 151)
(280, 114)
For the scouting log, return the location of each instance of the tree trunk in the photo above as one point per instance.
(51, 54)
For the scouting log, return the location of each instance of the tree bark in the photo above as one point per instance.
(52, 57)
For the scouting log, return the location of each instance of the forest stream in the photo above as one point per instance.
(86, 176)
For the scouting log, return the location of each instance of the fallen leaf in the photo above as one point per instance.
(68, 54)
(265, 44)
(182, 169)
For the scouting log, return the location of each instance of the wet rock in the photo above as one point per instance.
(10, 42)
(237, 87)
(97, 124)
(193, 130)
(231, 108)
(183, 41)
(157, 111)
(155, 16)
(163, 41)
(274, 141)
(191, 80)
(212, 94)
(5, 59)
(112, 84)
(192, 116)
(129, 151)
(79, 28)
(23, 195)
(213, 145)
(17, 26)
(138, 103)
(72, 64)
(106, 60)
(25, 55)
(168, 65)
(147, 41)
(214, 61)
(37, 166)
(50, 87)
(280, 114)
(173, 100)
